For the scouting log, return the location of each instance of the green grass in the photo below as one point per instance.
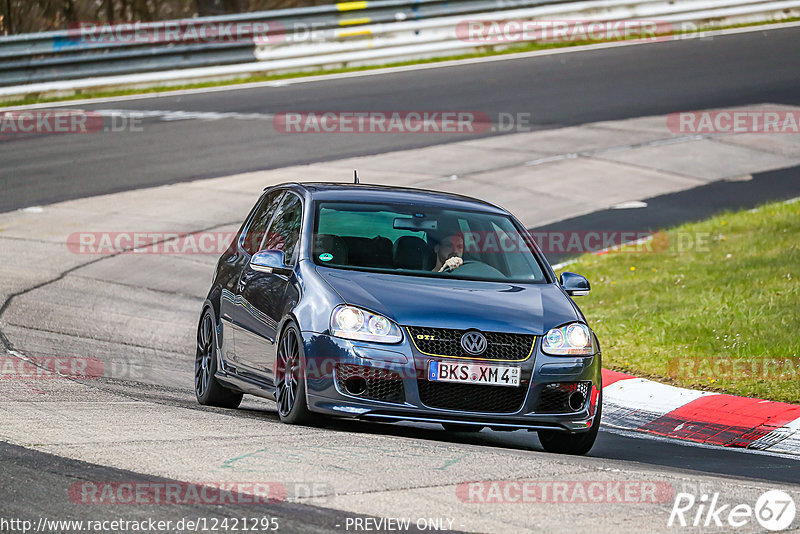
(527, 47)
(673, 315)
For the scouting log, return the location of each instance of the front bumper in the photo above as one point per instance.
(325, 356)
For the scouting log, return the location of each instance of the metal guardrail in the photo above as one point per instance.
(106, 50)
(335, 35)
(441, 34)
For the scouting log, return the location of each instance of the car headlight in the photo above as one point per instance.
(574, 339)
(354, 323)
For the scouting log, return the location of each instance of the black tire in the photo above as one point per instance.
(290, 384)
(456, 427)
(207, 389)
(564, 443)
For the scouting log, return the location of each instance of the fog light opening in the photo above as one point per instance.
(355, 385)
(576, 401)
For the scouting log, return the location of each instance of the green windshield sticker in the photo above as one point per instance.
(326, 256)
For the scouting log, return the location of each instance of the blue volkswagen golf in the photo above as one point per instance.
(389, 304)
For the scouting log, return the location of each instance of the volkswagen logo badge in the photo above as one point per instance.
(473, 343)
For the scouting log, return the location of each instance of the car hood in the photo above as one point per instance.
(460, 304)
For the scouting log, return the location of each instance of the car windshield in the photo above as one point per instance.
(422, 241)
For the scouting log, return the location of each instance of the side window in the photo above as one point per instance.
(254, 234)
(470, 239)
(284, 233)
(519, 260)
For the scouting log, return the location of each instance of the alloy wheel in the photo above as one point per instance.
(288, 373)
(205, 352)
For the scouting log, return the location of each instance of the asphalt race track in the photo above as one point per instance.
(217, 134)
(557, 90)
(53, 473)
(695, 204)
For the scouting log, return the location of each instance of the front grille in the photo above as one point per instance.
(382, 384)
(555, 397)
(470, 397)
(447, 342)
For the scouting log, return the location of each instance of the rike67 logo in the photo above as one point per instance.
(774, 510)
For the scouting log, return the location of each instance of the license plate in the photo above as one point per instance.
(473, 373)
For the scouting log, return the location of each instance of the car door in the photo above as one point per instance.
(249, 240)
(263, 294)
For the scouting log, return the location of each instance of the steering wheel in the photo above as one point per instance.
(465, 262)
(475, 268)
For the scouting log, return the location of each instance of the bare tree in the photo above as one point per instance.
(8, 19)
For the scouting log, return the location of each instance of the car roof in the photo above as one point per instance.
(383, 193)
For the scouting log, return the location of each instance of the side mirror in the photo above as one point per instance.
(267, 261)
(574, 284)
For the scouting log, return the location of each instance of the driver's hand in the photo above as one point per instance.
(451, 264)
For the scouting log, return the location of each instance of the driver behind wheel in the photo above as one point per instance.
(449, 251)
